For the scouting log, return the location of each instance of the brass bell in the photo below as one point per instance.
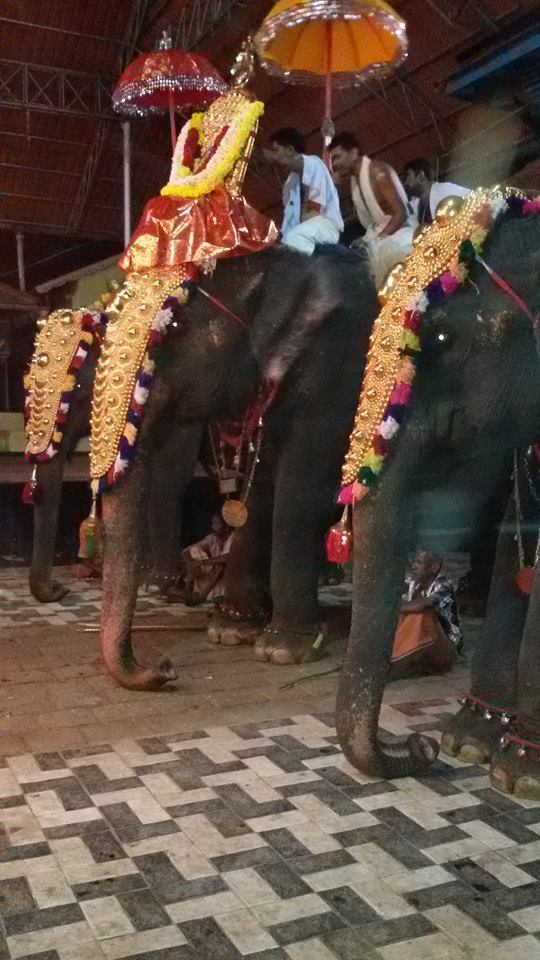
(448, 209)
(42, 359)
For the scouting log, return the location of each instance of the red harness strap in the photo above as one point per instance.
(221, 306)
(508, 290)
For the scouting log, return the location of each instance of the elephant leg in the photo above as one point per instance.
(173, 466)
(515, 766)
(303, 509)
(123, 513)
(42, 585)
(475, 731)
(246, 604)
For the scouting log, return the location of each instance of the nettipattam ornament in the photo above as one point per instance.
(138, 320)
(439, 263)
(60, 350)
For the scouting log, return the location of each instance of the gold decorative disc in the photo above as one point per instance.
(54, 349)
(131, 316)
(235, 513)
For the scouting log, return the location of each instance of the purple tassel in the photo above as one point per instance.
(145, 379)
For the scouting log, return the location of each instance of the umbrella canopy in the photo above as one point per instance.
(157, 80)
(308, 41)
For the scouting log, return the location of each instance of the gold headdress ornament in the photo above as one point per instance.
(243, 67)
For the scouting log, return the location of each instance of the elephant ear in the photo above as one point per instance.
(295, 339)
(295, 299)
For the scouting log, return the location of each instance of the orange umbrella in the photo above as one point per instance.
(331, 42)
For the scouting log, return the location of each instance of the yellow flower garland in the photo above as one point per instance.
(224, 160)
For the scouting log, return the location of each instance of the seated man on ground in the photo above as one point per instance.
(425, 191)
(310, 199)
(204, 564)
(428, 636)
(380, 203)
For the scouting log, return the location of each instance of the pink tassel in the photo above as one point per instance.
(346, 496)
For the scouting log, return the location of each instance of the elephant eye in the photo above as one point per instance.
(442, 338)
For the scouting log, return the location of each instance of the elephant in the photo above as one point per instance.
(476, 398)
(49, 476)
(502, 709)
(309, 325)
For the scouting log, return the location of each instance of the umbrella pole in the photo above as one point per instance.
(328, 126)
(172, 120)
(127, 181)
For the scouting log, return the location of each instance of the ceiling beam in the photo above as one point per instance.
(29, 169)
(199, 18)
(53, 90)
(56, 230)
(70, 33)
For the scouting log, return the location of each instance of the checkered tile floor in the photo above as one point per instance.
(259, 841)
(19, 608)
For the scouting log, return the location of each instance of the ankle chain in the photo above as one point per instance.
(488, 710)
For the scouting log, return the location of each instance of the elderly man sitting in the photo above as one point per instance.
(428, 636)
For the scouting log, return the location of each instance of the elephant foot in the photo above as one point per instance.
(515, 767)
(50, 592)
(284, 649)
(137, 677)
(221, 630)
(474, 733)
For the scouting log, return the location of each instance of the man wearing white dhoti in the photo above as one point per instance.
(425, 191)
(380, 202)
(310, 199)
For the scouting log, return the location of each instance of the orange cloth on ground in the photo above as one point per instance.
(421, 646)
(415, 631)
(176, 230)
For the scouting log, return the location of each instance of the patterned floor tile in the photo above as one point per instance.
(259, 841)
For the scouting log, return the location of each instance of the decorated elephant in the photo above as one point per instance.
(51, 440)
(499, 719)
(310, 336)
(427, 453)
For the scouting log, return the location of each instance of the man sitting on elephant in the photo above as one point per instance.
(428, 633)
(310, 199)
(380, 203)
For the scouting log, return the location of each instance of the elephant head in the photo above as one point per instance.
(475, 398)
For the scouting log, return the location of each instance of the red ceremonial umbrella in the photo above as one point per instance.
(166, 79)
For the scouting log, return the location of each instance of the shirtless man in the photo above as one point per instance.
(380, 202)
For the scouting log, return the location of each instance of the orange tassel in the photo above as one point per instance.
(91, 535)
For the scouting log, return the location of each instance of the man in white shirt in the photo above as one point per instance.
(310, 199)
(425, 191)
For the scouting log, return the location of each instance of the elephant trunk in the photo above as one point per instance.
(383, 532)
(49, 477)
(122, 512)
